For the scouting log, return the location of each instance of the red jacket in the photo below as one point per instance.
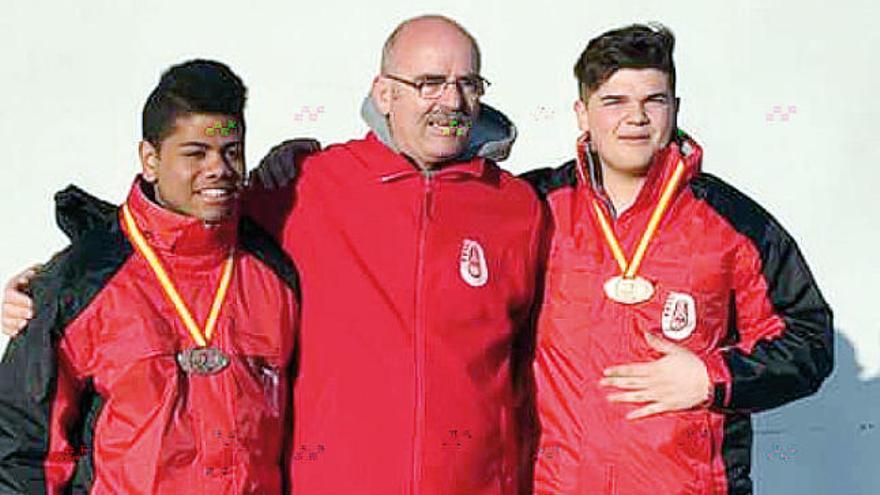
(119, 410)
(730, 285)
(416, 288)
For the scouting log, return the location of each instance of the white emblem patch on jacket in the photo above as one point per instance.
(472, 264)
(679, 316)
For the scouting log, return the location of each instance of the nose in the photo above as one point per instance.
(451, 95)
(638, 115)
(218, 165)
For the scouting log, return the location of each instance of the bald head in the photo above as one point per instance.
(426, 29)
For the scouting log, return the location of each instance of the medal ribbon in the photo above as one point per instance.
(629, 269)
(170, 290)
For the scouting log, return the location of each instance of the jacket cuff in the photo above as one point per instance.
(719, 379)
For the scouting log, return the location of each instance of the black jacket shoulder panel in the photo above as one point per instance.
(547, 180)
(263, 246)
(743, 213)
(77, 212)
(72, 278)
(61, 291)
(774, 244)
(794, 363)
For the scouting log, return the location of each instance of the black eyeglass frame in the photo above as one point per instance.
(419, 84)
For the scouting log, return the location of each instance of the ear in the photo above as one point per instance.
(580, 110)
(675, 109)
(149, 156)
(381, 94)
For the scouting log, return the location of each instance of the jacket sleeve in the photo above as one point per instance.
(39, 399)
(781, 333)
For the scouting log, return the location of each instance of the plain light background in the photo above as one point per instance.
(75, 76)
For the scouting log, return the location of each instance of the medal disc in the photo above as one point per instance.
(202, 360)
(628, 290)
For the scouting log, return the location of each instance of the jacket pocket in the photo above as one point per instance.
(267, 376)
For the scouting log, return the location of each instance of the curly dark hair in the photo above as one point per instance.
(195, 86)
(639, 46)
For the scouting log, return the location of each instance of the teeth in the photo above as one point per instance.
(456, 131)
(454, 121)
(215, 193)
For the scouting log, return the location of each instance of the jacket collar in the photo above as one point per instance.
(491, 137)
(681, 147)
(387, 165)
(169, 232)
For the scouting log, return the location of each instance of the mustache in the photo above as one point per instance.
(453, 118)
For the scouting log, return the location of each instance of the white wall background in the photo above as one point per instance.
(74, 76)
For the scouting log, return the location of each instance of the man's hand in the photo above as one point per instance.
(17, 306)
(278, 167)
(675, 382)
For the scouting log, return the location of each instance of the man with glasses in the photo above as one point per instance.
(417, 256)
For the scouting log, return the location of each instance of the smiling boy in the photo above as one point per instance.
(158, 361)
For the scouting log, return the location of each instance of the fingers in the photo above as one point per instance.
(624, 382)
(17, 310)
(12, 327)
(263, 175)
(630, 370)
(23, 279)
(661, 345)
(281, 167)
(649, 410)
(17, 306)
(636, 396)
(263, 170)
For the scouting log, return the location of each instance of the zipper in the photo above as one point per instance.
(419, 337)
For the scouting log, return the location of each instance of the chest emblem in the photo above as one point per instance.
(679, 316)
(472, 264)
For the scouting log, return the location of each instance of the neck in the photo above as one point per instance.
(622, 187)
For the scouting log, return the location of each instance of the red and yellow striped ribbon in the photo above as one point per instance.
(631, 268)
(201, 338)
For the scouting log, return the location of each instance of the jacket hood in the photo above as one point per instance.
(78, 213)
(492, 136)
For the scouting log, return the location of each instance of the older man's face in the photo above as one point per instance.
(429, 131)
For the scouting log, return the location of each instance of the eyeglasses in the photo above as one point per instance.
(431, 88)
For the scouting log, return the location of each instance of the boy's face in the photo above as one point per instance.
(629, 117)
(199, 168)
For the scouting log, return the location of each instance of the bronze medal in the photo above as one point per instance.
(202, 360)
(628, 290)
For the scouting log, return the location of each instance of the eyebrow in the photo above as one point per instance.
(624, 97)
(442, 76)
(659, 93)
(200, 144)
(194, 143)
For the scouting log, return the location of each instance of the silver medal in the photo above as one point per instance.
(202, 360)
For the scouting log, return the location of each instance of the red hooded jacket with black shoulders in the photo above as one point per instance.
(730, 285)
(92, 398)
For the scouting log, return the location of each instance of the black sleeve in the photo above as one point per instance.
(29, 369)
(772, 285)
(27, 382)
